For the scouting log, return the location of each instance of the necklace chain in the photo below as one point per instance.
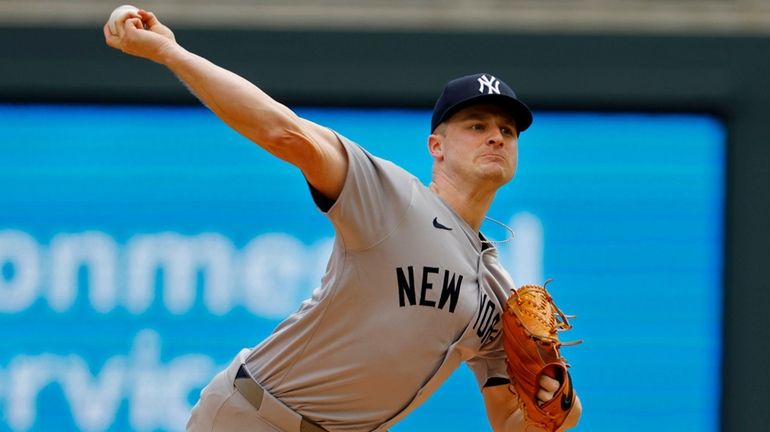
(509, 238)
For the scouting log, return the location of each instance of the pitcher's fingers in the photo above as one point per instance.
(548, 383)
(133, 23)
(149, 18)
(544, 396)
(109, 38)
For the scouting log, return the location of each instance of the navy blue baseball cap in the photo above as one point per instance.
(479, 88)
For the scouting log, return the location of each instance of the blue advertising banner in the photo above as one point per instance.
(142, 247)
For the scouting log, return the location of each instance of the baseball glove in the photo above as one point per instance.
(531, 324)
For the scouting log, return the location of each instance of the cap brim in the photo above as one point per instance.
(520, 112)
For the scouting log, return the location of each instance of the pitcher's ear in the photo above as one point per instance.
(436, 146)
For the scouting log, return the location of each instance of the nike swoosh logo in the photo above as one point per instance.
(568, 397)
(439, 225)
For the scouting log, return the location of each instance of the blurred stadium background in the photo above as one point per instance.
(137, 252)
(539, 16)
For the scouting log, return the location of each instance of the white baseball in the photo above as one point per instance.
(119, 15)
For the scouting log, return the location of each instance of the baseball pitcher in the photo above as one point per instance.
(412, 288)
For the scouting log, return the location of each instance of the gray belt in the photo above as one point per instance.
(271, 408)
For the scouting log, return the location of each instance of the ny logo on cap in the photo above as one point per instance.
(491, 83)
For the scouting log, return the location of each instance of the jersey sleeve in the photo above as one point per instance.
(373, 201)
(489, 363)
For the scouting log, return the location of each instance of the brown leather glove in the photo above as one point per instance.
(531, 324)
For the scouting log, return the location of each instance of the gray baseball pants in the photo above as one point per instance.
(221, 406)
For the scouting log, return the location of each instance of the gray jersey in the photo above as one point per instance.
(409, 294)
